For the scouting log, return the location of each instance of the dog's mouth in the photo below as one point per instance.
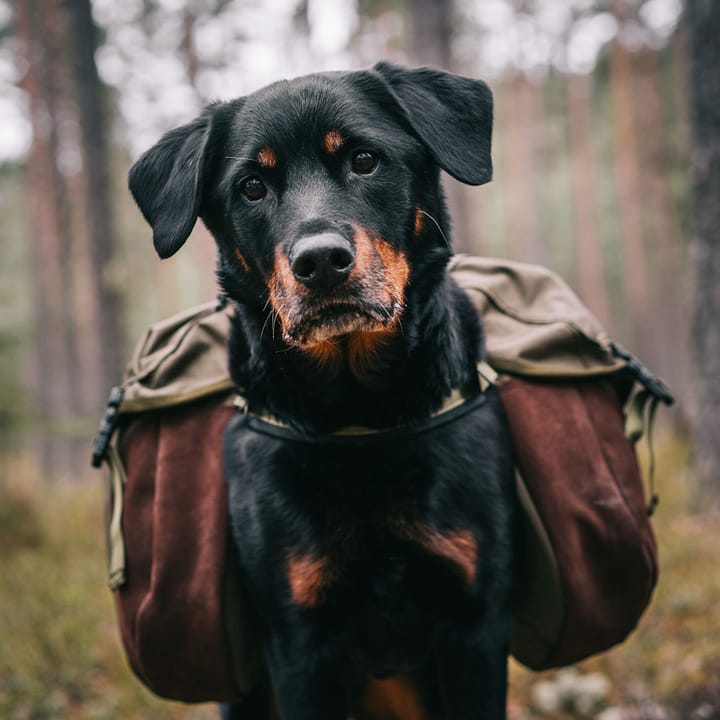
(331, 321)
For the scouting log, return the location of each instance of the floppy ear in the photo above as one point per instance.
(166, 183)
(451, 114)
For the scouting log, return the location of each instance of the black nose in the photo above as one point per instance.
(321, 262)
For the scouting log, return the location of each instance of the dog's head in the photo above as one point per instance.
(322, 192)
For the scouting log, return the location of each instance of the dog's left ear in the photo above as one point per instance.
(451, 114)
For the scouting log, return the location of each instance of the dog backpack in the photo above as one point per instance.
(575, 404)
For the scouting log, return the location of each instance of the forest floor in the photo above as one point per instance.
(60, 655)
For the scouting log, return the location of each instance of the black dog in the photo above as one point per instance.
(384, 550)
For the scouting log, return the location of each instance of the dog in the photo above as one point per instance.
(373, 515)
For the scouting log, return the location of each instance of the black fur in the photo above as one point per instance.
(371, 555)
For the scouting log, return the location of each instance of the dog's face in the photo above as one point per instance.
(321, 191)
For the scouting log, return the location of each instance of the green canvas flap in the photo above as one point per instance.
(180, 359)
(534, 323)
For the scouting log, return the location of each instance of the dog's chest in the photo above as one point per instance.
(357, 521)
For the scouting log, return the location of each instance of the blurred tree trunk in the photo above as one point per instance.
(664, 257)
(102, 348)
(590, 262)
(704, 25)
(79, 344)
(39, 32)
(201, 243)
(523, 118)
(630, 197)
(431, 31)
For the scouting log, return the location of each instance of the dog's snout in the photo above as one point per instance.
(321, 262)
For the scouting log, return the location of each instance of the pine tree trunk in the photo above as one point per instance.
(590, 262)
(38, 34)
(704, 25)
(630, 198)
(520, 110)
(103, 347)
(662, 231)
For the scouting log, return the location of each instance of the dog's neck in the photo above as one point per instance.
(376, 381)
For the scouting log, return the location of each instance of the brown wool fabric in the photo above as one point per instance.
(582, 476)
(176, 535)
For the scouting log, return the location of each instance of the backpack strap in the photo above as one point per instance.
(640, 412)
(115, 544)
(486, 375)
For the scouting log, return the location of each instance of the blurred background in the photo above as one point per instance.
(607, 170)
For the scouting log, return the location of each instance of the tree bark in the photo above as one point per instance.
(662, 231)
(523, 118)
(627, 170)
(704, 26)
(589, 259)
(103, 347)
(38, 33)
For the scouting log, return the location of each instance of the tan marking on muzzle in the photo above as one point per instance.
(282, 286)
(396, 267)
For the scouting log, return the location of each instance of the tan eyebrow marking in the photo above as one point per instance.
(418, 221)
(267, 158)
(333, 141)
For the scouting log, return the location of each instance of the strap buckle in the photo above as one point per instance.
(108, 423)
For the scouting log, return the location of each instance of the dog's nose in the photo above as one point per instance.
(321, 262)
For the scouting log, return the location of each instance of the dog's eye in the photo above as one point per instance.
(253, 189)
(364, 162)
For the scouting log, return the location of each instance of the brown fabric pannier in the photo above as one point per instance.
(580, 486)
(588, 562)
(176, 609)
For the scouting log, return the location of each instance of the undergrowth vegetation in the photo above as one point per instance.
(60, 655)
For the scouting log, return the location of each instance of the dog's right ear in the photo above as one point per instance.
(166, 183)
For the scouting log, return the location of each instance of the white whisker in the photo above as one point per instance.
(437, 225)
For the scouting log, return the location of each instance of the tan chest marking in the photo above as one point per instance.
(458, 547)
(309, 578)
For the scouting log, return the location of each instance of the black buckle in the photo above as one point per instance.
(108, 423)
(647, 379)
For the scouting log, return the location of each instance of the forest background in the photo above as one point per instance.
(607, 170)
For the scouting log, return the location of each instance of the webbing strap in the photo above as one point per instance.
(116, 544)
(486, 375)
(640, 421)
